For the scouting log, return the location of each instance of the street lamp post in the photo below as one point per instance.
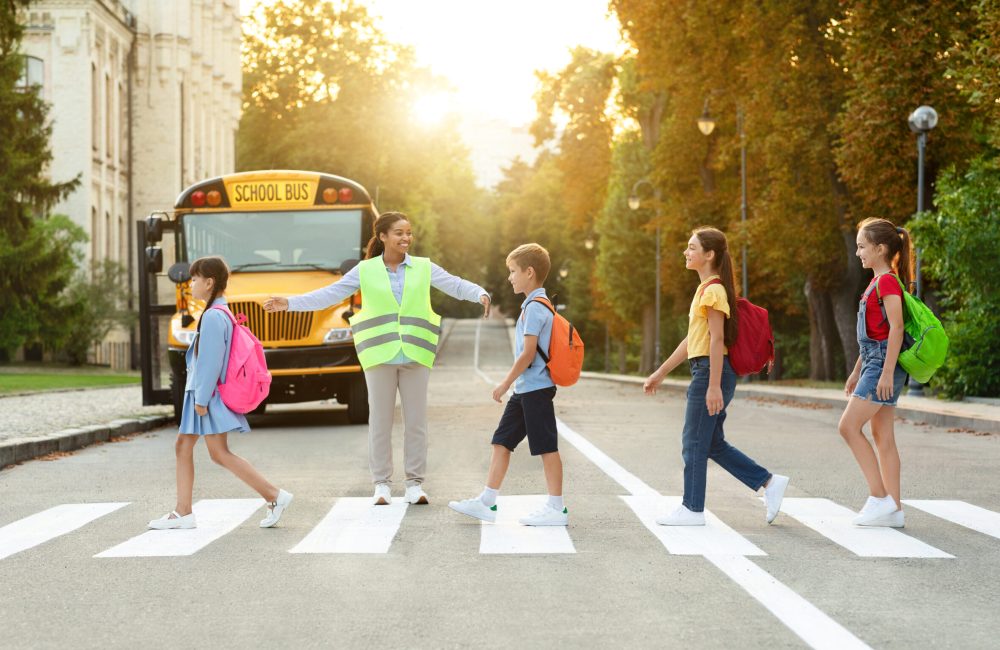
(706, 124)
(922, 120)
(633, 203)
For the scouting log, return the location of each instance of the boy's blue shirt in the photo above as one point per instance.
(535, 320)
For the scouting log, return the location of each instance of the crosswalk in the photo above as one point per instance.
(354, 526)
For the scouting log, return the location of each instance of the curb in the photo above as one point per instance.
(936, 417)
(65, 390)
(17, 450)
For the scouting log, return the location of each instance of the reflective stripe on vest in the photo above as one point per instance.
(384, 327)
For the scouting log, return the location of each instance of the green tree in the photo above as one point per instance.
(36, 255)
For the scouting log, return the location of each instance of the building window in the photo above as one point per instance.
(109, 124)
(121, 239)
(107, 235)
(93, 235)
(95, 109)
(32, 74)
(122, 123)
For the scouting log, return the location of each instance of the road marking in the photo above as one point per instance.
(959, 512)
(508, 536)
(354, 525)
(833, 521)
(215, 517)
(48, 524)
(799, 615)
(714, 538)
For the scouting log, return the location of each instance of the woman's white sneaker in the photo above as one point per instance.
(173, 521)
(275, 509)
(475, 508)
(383, 495)
(682, 517)
(874, 509)
(546, 516)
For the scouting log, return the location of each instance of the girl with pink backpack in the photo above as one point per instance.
(205, 414)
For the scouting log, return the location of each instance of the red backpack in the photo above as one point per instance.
(247, 381)
(753, 349)
(565, 356)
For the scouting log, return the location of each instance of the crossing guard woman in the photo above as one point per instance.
(396, 337)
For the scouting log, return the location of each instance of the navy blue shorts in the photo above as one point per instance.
(530, 415)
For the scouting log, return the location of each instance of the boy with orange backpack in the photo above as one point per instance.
(529, 412)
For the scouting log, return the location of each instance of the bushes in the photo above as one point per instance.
(960, 246)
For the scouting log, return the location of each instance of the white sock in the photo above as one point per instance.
(489, 496)
(556, 502)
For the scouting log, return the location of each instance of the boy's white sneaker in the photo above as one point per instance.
(546, 516)
(874, 509)
(275, 509)
(892, 520)
(475, 508)
(383, 495)
(173, 521)
(682, 517)
(415, 494)
(774, 493)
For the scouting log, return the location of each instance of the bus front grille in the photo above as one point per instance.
(278, 326)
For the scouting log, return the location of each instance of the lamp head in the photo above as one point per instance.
(923, 119)
(633, 202)
(706, 123)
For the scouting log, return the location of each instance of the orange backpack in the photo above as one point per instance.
(565, 356)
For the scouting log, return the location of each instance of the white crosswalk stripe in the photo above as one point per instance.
(834, 522)
(965, 514)
(508, 536)
(714, 538)
(49, 524)
(355, 525)
(215, 517)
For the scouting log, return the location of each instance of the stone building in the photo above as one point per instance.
(144, 99)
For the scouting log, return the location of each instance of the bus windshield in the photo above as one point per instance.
(270, 241)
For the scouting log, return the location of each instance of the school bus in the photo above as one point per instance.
(282, 233)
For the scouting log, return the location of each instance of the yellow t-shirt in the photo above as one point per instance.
(714, 297)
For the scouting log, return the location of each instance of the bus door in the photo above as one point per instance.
(156, 235)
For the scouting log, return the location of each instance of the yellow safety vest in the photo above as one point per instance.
(384, 327)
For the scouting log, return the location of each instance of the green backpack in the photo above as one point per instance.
(925, 344)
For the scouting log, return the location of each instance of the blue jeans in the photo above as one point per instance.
(703, 438)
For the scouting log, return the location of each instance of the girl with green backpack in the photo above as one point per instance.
(878, 379)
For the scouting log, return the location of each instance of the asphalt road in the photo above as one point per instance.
(430, 578)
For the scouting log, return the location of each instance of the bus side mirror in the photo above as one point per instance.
(179, 272)
(154, 259)
(154, 228)
(347, 265)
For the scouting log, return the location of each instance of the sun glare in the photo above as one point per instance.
(431, 110)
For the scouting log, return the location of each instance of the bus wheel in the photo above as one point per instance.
(177, 394)
(357, 402)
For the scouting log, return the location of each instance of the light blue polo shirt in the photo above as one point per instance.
(535, 320)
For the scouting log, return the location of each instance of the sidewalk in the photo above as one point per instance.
(971, 416)
(36, 424)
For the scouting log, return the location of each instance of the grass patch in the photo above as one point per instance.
(24, 382)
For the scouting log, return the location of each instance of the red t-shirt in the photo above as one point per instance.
(875, 323)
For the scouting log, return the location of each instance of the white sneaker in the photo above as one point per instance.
(475, 508)
(682, 517)
(546, 516)
(275, 509)
(875, 508)
(892, 520)
(172, 521)
(383, 495)
(416, 495)
(773, 495)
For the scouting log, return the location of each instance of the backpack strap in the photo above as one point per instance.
(878, 296)
(548, 304)
(708, 284)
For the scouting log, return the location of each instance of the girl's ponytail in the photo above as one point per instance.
(375, 245)
(904, 269)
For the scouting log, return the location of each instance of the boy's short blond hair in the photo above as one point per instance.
(534, 256)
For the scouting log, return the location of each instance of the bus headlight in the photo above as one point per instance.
(183, 336)
(338, 335)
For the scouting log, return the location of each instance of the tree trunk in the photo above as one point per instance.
(622, 357)
(845, 303)
(823, 335)
(646, 360)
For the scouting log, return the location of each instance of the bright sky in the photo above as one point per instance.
(489, 50)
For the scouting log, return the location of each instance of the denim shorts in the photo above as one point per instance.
(872, 361)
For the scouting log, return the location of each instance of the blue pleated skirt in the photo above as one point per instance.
(219, 418)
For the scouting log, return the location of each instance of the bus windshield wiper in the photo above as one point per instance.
(285, 265)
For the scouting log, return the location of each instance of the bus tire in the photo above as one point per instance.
(357, 401)
(177, 394)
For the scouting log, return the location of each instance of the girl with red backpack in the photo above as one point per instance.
(712, 330)
(877, 379)
(205, 415)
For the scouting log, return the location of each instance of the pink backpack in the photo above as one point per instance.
(247, 381)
